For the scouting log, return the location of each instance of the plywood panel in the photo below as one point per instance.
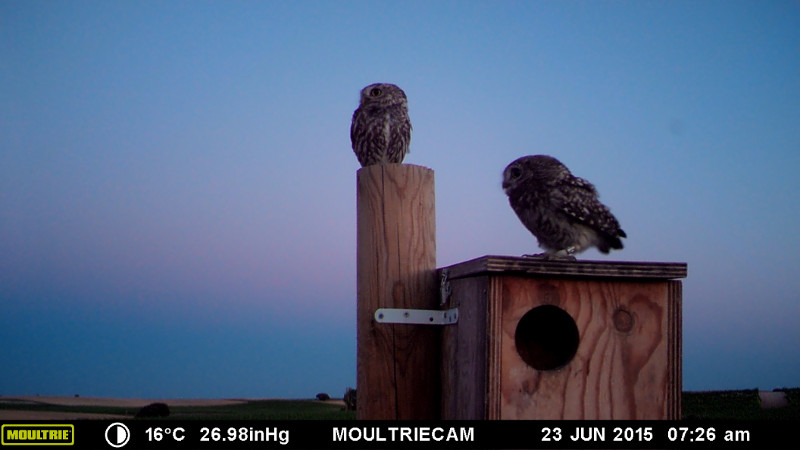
(621, 369)
(464, 352)
(583, 269)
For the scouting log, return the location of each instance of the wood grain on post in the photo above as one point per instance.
(398, 364)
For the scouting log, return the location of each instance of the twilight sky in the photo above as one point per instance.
(177, 188)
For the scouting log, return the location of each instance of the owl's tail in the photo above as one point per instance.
(607, 242)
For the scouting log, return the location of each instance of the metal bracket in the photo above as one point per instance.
(417, 316)
(445, 289)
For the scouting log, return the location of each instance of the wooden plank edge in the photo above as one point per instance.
(566, 268)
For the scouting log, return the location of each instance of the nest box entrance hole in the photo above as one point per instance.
(546, 337)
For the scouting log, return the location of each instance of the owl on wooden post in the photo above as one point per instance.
(560, 209)
(381, 130)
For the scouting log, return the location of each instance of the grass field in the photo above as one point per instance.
(247, 410)
(743, 405)
(267, 410)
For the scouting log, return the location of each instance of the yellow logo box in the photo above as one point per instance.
(29, 434)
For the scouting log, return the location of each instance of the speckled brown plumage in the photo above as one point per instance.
(561, 210)
(381, 130)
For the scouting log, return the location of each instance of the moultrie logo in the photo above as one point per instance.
(33, 434)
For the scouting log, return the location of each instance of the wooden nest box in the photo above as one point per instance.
(552, 339)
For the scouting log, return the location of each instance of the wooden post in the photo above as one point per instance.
(398, 365)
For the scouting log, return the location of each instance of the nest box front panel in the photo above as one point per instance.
(586, 349)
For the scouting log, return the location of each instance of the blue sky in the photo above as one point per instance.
(177, 188)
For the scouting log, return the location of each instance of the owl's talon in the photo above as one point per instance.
(557, 256)
(537, 256)
(566, 254)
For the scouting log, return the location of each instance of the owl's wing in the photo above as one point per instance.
(578, 199)
(400, 137)
(353, 128)
(367, 142)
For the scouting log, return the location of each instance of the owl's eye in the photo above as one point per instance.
(515, 172)
(375, 92)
